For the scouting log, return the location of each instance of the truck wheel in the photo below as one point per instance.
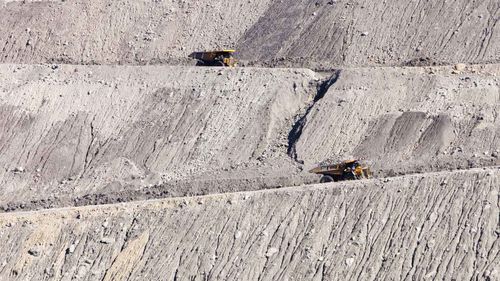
(326, 178)
(349, 176)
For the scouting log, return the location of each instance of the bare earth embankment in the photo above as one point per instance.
(120, 160)
(318, 34)
(77, 130)
(434, 226)
(83, 135)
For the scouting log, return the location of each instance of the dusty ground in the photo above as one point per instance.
(120, 160)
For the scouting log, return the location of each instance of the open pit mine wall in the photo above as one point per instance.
(438, 226)
(76, 128)
(405, 120)
(340, 32)
(73, 131)
(367, 32)
(125, 31)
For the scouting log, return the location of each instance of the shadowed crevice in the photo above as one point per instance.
(298, 126)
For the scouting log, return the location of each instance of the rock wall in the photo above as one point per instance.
(434, 226)
(369, 32)
(306, 33)
(78, 129)
(120, 32)
(405, 120)
(103, 134)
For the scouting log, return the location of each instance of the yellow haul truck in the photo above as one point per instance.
(346, 170)
(215, 58)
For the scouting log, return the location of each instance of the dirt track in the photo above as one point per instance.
(94, 140)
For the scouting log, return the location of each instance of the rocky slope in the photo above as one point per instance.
(86, 123)
(405, 120)
(124, 32)
(78, 130)
(366, 32)
(435, 226)
(301, 33)
(79, 135)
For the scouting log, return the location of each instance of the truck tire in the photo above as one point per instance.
(326, 178)
(349, 176)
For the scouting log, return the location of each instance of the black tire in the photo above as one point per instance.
(325, 179)
(349, 176)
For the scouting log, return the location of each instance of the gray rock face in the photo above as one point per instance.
(375, 32)
(108, 129)
(115, 166)
(408, 227)
(127, 32)
(101, 134)
(302, 33)
(405, 120)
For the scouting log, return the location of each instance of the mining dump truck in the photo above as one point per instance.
(215, 58)
(345, 170)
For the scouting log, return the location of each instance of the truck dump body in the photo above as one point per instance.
(215, 58)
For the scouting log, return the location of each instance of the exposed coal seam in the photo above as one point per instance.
(298, 126)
